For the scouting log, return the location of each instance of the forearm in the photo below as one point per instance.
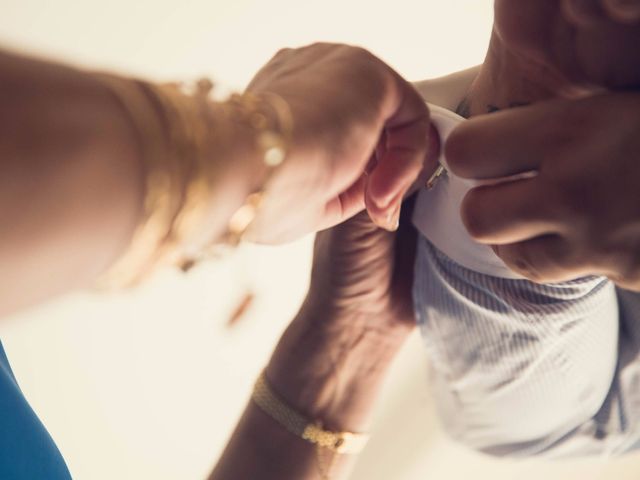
(73, 175)
(324, 374)
(70, 179)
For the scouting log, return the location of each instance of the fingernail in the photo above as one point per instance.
(385, 202)
(392, 220)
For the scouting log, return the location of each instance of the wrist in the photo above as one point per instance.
(258, 130)
(238, 164)
(330, 373)
(234, 147)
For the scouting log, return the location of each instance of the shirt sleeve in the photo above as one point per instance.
(522, 369)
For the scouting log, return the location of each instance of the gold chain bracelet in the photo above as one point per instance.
(325, 441)
(174, 127)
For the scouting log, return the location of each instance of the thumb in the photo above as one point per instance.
(407, 150)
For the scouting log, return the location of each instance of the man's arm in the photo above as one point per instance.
(322, 375)
(332, 360)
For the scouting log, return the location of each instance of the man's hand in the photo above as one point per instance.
(581, 213)
(361, 138)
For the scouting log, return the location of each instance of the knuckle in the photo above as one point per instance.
(284, 51)
(518, 258)
(317, 46)
(572, 203)
(628, 271)
(282, 55)
(543, 260)
(566, 130)
(459, 152)
(573, 119)
(359, 52)
(560, 259)
(522, 260)
(473, 218)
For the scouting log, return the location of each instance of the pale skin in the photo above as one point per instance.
(71, 174)
(581, 214)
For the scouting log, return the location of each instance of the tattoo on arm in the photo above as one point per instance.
(494, 108)
(464, 108)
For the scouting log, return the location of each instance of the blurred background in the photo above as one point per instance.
(148, 383)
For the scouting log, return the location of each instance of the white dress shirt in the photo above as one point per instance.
(519, 368)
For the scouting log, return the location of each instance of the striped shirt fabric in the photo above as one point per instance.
(524, 369)
(519, 368)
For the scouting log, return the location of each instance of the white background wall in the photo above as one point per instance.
(147, 384)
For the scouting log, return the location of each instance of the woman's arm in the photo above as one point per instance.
(77, 157)
(71, 180)
(72, 177)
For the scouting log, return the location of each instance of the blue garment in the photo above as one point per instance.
(27, 451)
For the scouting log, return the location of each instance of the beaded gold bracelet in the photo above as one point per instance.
(174, 127)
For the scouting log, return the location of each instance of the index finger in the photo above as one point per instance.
(508, 142)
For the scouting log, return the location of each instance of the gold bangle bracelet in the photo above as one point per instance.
(161, 184)
(176, 130)
(189, 132)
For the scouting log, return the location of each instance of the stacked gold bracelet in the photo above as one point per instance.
(176, 127)
(308, 430)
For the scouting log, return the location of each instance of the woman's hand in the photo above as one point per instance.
(352, 114)
(581, 213)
